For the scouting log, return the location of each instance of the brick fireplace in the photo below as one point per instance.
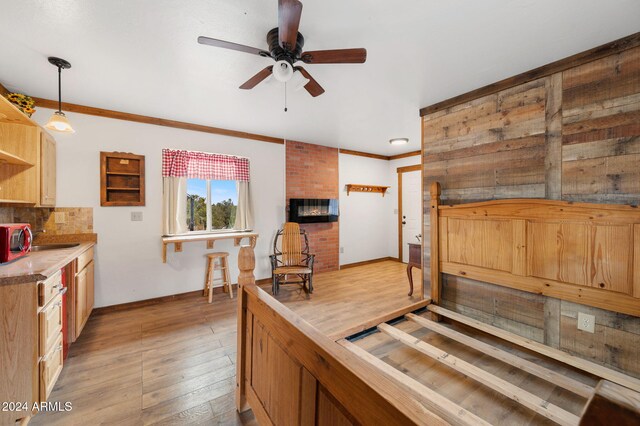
(312, 172)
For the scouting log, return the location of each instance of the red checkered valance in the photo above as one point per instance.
(202, 165)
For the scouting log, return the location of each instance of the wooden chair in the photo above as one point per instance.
(292, 259)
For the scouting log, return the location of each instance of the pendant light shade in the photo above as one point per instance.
(58, 121)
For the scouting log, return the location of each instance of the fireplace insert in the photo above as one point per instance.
(308, 210)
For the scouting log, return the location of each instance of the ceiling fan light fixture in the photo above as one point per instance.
(282, 71)
(399, 141)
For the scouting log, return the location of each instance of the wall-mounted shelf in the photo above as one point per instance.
(8, 158)
(121, 179)
(352, 187)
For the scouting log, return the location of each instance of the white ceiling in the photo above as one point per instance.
(142, 57)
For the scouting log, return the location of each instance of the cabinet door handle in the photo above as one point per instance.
(64, 290)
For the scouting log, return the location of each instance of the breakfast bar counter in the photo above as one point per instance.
(210, 238)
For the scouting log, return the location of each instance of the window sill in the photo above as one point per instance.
(209, 237)
(220, 232)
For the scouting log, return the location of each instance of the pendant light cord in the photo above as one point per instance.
(59, 89)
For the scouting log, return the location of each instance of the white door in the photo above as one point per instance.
(411, 211)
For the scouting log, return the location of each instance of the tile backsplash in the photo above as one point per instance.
(55, 221)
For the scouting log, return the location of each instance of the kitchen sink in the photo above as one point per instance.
(53, 246)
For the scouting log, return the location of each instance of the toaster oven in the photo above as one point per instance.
(15, 241)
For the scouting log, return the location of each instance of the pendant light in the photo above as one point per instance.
(58, 120)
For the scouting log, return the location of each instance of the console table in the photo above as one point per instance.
(209, 238)
(415, 259)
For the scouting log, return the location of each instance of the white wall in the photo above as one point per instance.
(128, 255)
(369, 222)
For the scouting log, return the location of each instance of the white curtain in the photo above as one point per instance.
(244, 211)
(174, 205)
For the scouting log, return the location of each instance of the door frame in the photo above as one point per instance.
(401, 170)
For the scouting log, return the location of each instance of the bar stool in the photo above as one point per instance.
(219, 261)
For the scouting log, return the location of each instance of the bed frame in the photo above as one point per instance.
(290, 373)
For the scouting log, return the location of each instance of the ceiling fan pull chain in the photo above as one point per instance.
(285, 97)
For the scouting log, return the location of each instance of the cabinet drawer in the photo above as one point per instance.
(84, 259)
(50, 368)
(50, 322)
(49, 288)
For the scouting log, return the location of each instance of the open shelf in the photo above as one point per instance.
(352, 187)
(8, 158)
(121, 179)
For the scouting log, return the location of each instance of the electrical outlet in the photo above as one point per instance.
(60, 217)
(586, 322)
(136, 216)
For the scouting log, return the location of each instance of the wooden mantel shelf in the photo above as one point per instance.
(352, 187)
(209, 238)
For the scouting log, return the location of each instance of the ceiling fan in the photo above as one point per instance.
(285, 47)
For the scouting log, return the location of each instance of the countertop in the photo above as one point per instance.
(37, 266)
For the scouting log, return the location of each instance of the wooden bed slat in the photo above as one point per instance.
(588, 366)
(544, 373)
(527, 399)
(437, 403)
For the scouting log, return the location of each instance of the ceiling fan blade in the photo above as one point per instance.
(312, 86)
(289, 13)
(336, 56)
(233, 46)
(253, 81)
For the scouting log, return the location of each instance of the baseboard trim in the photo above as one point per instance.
(157, 300)
(368, 262)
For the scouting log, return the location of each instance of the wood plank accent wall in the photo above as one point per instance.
(571, 134)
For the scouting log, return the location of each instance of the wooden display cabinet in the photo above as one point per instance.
(121, 179)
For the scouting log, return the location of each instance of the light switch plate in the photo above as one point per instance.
(136, 216)
(586, 322)
(341, 249)
(60, 217)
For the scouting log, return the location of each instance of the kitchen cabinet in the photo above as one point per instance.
(32, 323)
(27, 160)
(47, 170)
(83, 290)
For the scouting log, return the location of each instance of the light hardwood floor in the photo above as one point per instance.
(174, 363)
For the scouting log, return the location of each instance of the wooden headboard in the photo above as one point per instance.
(584, 253)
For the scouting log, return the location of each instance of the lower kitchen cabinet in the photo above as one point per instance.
(84, 290)
(32, 319)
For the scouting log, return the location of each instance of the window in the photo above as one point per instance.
(211, 204)
(204, 192)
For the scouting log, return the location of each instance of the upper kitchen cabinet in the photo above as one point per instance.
(27, 160)
(47, 170)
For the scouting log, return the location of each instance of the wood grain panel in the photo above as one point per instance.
(636, 260)
(611, 251)
(485, 243)
(330, 413)
(19, 334)
(559, 251)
